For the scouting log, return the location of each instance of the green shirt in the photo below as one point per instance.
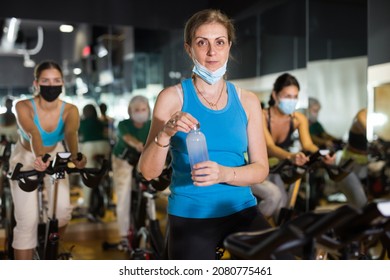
(127, 127)
(91, 130)
(316, 129)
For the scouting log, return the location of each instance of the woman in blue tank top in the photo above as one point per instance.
(44, 121)
(215, 199)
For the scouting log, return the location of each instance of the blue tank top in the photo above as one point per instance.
(48, 138)
(226, 136)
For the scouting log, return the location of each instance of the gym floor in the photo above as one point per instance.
(87, 238)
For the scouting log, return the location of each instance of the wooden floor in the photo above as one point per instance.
(87, 238)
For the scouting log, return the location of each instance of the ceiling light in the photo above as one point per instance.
(10, 33)
(28, 62)
(101, 51)
(77, 71)
(66, 28)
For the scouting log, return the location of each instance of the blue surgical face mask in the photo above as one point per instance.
(207, 75)
(287, 105)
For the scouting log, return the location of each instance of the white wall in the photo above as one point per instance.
(341, 87)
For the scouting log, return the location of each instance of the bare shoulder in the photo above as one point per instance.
(70, 110)
(361, 119)
(249, 99)
(169, 99)
(23, 106)
(299, 118)
(362, 114)
(70, 106)
(23, 103)
(170, 92)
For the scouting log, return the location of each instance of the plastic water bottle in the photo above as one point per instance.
(196, 146)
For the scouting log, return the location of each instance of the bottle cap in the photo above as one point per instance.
(196, 126)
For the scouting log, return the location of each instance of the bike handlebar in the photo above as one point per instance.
(61, 164)
(291, 172)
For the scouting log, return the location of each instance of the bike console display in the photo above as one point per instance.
(61, 160)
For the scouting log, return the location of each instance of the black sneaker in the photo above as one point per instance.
(93, 219)
(124, 245)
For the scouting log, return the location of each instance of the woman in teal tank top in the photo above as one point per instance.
(213, 200)
(44, 122)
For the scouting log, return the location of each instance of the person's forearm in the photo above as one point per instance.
(71, 139)
(247, 175)
(131, 140)
(318, 140)
(153, 156)
(37, 147)
(278, 153)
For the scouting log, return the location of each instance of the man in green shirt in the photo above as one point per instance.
(317, 132)
(131, 138)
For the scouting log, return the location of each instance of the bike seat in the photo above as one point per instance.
(372, 218)
(290, 237)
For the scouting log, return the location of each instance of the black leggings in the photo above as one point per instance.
(197, 239)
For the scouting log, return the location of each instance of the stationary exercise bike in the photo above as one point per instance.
(48, 235)
(292, 175)
(145, 237)
(7, 220)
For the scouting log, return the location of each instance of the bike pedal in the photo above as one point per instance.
(139, 254)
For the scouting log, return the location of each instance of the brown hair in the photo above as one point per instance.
(208, 16)
(281, 82)
(44, 66)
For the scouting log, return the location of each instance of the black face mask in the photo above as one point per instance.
(50, 93)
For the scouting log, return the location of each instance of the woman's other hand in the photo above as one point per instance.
(299, 158)
(41, 165)
(207, 173)
(80, 163)
(329, 159)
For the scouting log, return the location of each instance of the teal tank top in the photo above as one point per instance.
(226, 137)
(48, 138)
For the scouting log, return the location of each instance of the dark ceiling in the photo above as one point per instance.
(156, 14)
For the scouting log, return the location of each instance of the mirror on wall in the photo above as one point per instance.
(381, 115)
(269, 43)
(109, 63)
(99, 63)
